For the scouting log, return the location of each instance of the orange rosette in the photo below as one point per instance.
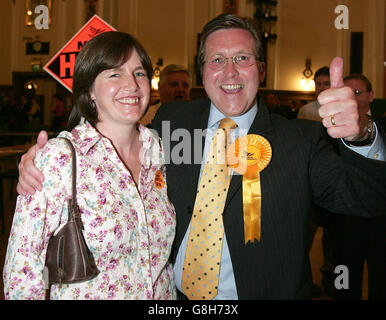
(249, 155)
(159, 180)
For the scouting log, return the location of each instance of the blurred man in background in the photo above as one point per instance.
(174, 85)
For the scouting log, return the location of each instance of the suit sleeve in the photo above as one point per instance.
(349, 183)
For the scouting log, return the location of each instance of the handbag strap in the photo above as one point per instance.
(73, 212)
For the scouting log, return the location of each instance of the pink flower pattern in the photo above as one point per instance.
(129, 236)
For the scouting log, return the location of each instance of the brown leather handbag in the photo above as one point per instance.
(68, 259)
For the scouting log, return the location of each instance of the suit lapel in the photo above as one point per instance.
(189, 173)
(262, 125)
(202, 125)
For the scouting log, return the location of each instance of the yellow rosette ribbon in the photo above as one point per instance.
(249, 155)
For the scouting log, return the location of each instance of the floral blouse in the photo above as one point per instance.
(128, 229)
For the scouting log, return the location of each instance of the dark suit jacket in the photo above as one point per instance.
(303, 168)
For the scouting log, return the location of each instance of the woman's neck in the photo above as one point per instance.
(124, 138)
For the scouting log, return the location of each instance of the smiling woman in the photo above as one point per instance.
(120, 166)
(121, 95)
(110, 55)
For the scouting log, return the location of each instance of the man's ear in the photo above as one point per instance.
(371, 96)
(261, 71)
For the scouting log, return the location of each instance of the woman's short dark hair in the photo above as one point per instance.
(105, 51)
(229, 21)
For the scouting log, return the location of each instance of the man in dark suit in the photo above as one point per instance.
(303, 166)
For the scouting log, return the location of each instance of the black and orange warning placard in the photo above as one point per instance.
(61, 66)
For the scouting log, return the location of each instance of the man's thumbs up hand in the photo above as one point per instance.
(336, 73)
(339, 108)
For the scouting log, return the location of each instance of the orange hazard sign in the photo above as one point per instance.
(61, 66)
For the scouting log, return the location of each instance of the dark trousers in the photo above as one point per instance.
(364, 239)
(332, 224)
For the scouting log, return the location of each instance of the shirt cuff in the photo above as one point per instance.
(376, 150)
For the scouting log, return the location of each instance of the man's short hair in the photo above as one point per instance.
(359, 76)
(170, 69)
(322, 71)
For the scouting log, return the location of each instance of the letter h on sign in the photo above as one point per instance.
(67, 61)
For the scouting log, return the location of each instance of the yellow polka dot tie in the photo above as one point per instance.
(203, 252)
